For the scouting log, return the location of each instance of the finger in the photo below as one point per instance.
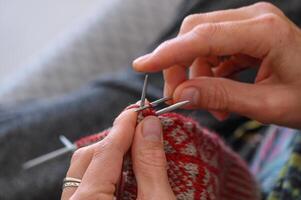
(201, 67)
(219, 115)
(149, 161)
(235, 64)
(242, 13)
(216, 16)
(79, 164)
(237, 14)
(171, 81)
(104, 170)
(218, 39)
(219, 94)
(173, 76)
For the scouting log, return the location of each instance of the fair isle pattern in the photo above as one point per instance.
(200, 165)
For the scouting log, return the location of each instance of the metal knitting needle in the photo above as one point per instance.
(44, 158)
(172, 107)
(142, 102)
(66, 142)
(154, 103)
(157, 102)
(69, 147)
(119, 185)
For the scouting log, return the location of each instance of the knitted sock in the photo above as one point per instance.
(200, 165)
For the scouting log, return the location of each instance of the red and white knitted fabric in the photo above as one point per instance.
(200, 165)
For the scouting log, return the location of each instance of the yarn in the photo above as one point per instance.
(200, 165)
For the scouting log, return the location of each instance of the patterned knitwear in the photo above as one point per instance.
(200, 165)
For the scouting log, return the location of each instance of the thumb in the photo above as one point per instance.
(149, 161)
(220, 94)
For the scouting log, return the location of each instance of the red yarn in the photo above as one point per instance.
(200, 165)
(85, 141)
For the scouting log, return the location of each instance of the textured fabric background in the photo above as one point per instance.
(109, 39)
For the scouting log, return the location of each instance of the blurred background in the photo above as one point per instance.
(48, 48)
(26, 30)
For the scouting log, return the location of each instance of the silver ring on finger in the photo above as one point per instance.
(71, 182)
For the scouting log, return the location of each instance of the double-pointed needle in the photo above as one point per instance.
(69, 147)
(144, 90)
(172, 107)
(154, 103)
(157, 102)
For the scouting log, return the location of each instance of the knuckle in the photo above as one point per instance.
(190, 19)
(207, 33)
(152, 157)
(272, 107)
(165, 45)
(207, 30)
(266, 6)
(105, 147)
(100, 149)
(121, 118)
(188, 22)
(166, 49)
(117, 120)
(270, 19)
(79, 154)
(273, 22)
(216, 97)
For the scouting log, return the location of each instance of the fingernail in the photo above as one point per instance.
(191, 94)
(151, 128)
(141, 59)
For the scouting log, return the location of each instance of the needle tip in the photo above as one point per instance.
(172, 107)
(142, 103)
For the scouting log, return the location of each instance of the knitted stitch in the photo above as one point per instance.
(200, 165)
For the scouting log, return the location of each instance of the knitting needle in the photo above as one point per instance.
(119, 185)
(154, 103)
(67, 142)
(142, 102)
(69, 147)
(172, 107)
(157, 102)
(46, 157)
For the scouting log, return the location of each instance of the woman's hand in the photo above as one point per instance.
(99, 165)
(257, 35)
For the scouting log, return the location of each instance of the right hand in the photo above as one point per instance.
(257, 34)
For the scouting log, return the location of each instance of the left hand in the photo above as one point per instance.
(99, 165)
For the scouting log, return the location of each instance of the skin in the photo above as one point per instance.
(215, 46)
(104, 159)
